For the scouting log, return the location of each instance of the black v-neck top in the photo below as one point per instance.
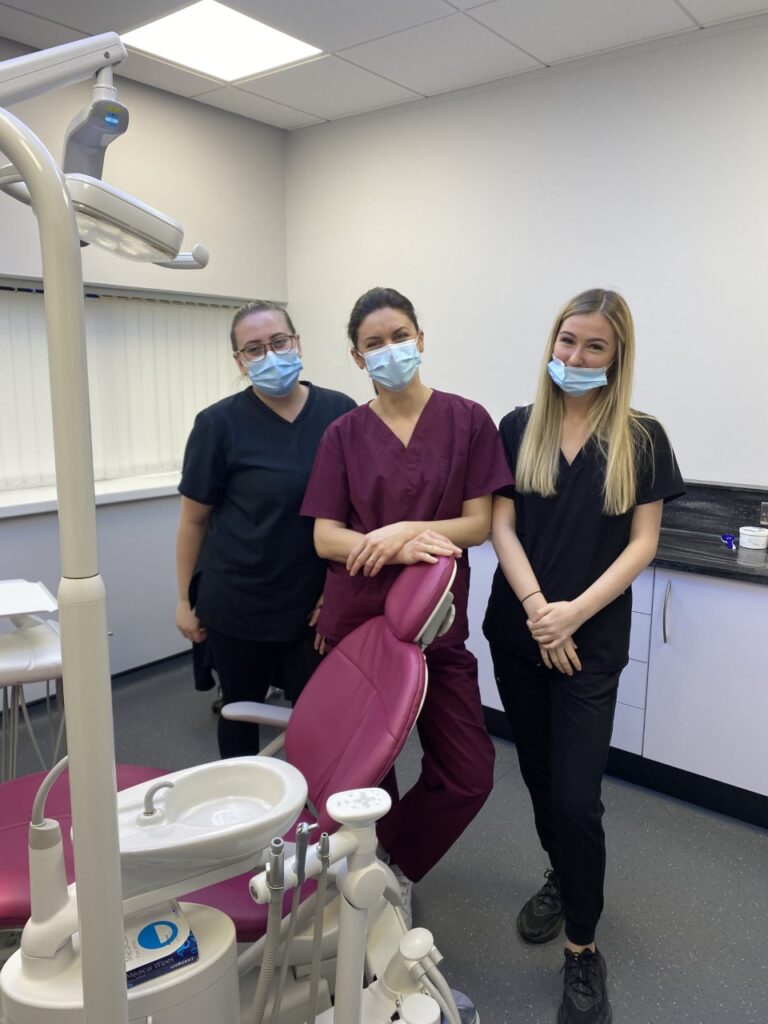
(259, 573)
(570, 542)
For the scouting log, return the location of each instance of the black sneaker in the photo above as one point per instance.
(585, 999)
(542, 916)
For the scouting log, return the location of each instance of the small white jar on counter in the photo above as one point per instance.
(755, 537)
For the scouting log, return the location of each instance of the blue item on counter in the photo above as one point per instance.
(729, 540)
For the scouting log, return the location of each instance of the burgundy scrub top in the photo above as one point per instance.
(365, 478)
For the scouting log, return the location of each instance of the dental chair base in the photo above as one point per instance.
(200, 993)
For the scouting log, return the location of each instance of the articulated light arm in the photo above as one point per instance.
(41, 72)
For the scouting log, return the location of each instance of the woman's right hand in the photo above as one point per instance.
(188, 623)
(564, 658)
(378, 548)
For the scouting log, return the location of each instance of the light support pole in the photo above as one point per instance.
(85, 656)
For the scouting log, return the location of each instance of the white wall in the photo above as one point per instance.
(136, 557)
(647, 172)
(220, 175)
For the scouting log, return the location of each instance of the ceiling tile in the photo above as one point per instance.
(92, 17)
(256, 107)
(555, 30)
(466, 5)
(335, 24)
(162, 75)
(329, 87)
(447, 54)
(38, 33)
(710, 11)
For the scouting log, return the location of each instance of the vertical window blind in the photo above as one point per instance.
(152, 365)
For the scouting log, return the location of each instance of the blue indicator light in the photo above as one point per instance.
(111, 119)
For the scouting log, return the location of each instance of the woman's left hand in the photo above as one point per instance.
(426, 547)
(554, 624)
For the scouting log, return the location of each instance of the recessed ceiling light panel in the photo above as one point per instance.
(215, 40)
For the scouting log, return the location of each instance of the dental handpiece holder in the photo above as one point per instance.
(363, 881)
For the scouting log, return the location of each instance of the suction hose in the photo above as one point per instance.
(300, 862)
(323, 855)
(442, 992)
(275, 881)
(38, 807)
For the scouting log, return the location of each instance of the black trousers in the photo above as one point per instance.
(562, 728)
(246, 669)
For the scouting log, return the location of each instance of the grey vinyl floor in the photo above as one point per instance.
(685, 929)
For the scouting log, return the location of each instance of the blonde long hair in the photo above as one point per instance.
(617, 430)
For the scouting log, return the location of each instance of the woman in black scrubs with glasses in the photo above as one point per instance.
(580, 523)
(242, 545)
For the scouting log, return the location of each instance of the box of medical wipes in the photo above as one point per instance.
(157, 941)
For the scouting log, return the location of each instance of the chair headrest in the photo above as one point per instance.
(415, 594)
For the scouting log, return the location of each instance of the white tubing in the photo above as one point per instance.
(443, 993)
(275, 1015)
(274, 917)
(38, 807)
(317, 941)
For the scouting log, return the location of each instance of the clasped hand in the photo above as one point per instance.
(396, 544)
(552, 627)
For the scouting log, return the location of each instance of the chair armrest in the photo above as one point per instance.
(274, 747)
(259, 714)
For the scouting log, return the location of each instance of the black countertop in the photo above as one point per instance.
(707, 555)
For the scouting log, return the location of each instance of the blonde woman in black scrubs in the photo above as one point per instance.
(579, 525)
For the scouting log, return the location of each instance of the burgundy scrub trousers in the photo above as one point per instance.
(366, 478)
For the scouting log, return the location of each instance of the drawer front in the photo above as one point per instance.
(639, 636)
(642, 592)
(632, 684)
(628, 729)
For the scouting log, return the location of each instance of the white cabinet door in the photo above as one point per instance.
(707, 697)
(482, 559)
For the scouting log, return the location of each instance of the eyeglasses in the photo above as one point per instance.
(255, 352)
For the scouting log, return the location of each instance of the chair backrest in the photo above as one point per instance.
(355, 713)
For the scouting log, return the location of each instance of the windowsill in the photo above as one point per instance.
(36, 500)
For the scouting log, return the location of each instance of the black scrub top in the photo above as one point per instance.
(259, 573)
(570, 542)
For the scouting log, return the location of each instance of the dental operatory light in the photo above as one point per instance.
(105, 216)
(216, 40)
(120, 223)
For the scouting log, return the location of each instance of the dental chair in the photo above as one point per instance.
(354, 715)
(345, 733)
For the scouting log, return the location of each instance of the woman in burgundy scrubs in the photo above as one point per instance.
(405, 478)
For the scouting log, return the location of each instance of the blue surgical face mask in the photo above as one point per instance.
(576, 380)
(275, 375)
(394, 366)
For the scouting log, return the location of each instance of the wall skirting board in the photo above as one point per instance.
(695, 789)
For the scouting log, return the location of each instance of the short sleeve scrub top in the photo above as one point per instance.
(259, 576)
(570, 542)
(366, 478)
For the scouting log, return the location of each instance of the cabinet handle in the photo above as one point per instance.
(667, 592)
